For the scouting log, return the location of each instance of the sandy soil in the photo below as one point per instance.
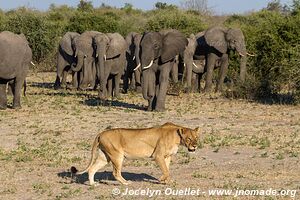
(244, 145)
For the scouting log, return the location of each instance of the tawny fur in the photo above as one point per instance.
(159, 143)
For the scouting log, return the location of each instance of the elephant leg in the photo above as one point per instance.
(117, 79)
(75, 79)
(3, 97)
(223, 72)
(163, 86)
(188, 73)
(126, 80)
(17, 92)
(61, 64)
(211, 61)
(64, 78)
(132, 82)
(199, 78)
(194, 86)
(110, 87)
(174, 72)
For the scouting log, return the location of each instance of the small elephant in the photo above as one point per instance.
(213, 46)
(84, 52)
(133, 70)
(15, 58)
(65, 58)
(157, 53)
(110, 52)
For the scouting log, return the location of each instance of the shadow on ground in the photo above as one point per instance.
(107, 176)
(113, 103)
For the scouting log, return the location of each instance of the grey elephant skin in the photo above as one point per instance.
(111, 61)
(212, 47)
(14, 70)
(157, 53)
(65, 58)
(85, 55)
(132, 77)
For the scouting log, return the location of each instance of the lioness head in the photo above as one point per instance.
(189, 138)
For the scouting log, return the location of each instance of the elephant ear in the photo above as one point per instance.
(174, 43)
(117, 45)
(66, 42)
(216, 37)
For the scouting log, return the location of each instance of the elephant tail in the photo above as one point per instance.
(92, 160)
(25, 87)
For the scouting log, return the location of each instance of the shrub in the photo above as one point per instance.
(83, 21)
(37, 30)
(187, 23)
(274, 39)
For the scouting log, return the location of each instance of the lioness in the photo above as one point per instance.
(159, 143)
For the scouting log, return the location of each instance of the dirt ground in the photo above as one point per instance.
(244, 145)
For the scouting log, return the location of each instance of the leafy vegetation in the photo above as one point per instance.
(272, 34)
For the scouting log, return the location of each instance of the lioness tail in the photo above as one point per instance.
(93, 157)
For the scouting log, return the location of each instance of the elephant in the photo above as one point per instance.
(213, 46)
(133, 70)
(157, 52)
(110, 52)
(15, 58)
(65, 58)
(86, 59)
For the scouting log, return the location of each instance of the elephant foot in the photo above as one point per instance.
(57, 87)
(207, 90)
(16, 107)
(149, 108)
(158, 109)
(138, 89)
(102, 97)
(70, 87)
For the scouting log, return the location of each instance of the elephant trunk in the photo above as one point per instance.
(101, 76)
(243, 68)
(243, 60)
(77, 67)
(148, 84)
(85, 74)
(137, 57)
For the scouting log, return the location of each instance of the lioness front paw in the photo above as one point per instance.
(164, 180)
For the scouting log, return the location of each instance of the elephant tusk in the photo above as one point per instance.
(139, 65)
(251, 55)
(184, 64)
(151, 63)
(32, 63)
(133, 58)
(104, 57)
(242, 55)
(195, 65)
(97, 55)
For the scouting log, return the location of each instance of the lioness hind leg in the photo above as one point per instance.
(117, 166)
(100, 162)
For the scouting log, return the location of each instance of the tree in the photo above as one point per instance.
(160, 5)
(85, 6)
(275, 6)
(200, 6)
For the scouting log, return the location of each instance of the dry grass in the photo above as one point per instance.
(243, 144)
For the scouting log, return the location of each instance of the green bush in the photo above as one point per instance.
(187, 23)
(39, 32)
(82, 21)
(274, 39)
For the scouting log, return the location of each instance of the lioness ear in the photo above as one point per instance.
(180, 132)
(197, 130)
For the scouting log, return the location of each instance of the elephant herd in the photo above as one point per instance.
(145, 62)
